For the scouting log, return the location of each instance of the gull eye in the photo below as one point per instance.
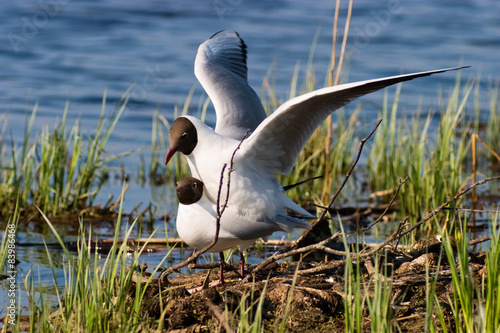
(184, 135)
(194, 186)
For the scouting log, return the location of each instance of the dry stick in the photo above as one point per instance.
(329, 118)
(399, 233)
(334, 197)
(117, 202)
(443, 205)
(292, 249)
(470, 210)
(337, 78)
(474, 174)
(479, 240)
(401, 182)
(394, 236)
(487, 147)
(220, 316)
(220, 211)
(354, 256)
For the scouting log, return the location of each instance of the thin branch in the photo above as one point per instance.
(292, 250)
(479, 240)
(470, 210)
(231, 169)
(443, 205)
(344, 41)
(390, 239)
(334, 42)
(220, 316)
(334, 197)
(362, 255)
(401, 182)
(220, 211)
(117, 202)
(278, 256)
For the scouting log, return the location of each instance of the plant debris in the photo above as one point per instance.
(308, 296)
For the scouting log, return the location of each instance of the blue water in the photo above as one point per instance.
(52, 51)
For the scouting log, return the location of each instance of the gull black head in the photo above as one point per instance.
(189, 190)
(183, 137)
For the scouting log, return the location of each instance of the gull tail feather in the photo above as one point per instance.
(288, 223)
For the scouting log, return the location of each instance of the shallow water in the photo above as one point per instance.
(53, 51)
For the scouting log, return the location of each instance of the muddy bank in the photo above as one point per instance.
(303, 296)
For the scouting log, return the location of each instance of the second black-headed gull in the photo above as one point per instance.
(272, 148)
(196, 223)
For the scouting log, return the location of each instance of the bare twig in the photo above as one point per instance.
(220, 316)
(362, 255)
(334, 197)
(231, 169)
(390, 239)
(278, 256)
(479, 240)
(470, 210)
(322, 268)
(220, 211)
(443, 205)
(401, 182)
(117, 202)
(292, 250)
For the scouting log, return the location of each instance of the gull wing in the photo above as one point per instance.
(221, 68)
(275, 145)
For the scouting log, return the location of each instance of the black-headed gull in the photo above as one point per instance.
(196, 223)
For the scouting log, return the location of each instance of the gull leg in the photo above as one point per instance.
(221, 274)
(242, 264)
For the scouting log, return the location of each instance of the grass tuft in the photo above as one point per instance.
(61, 171)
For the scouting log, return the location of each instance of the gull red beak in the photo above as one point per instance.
(169, 156)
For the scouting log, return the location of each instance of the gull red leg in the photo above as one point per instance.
(221, 274)
(242, 264)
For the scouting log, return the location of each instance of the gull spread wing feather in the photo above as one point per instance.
(276, 143)
(221, 68)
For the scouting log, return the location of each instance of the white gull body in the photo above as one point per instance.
(196, 221)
